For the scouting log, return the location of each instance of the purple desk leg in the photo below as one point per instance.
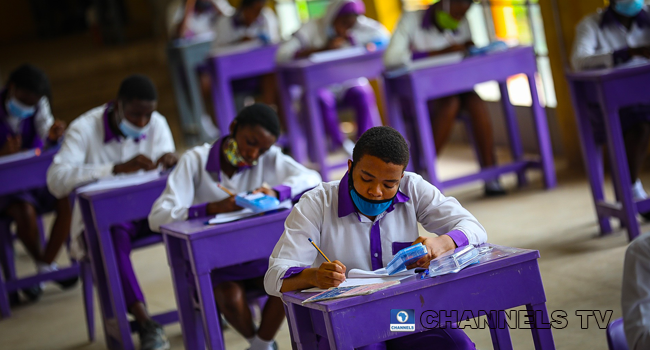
(516, 148)
(542, 334)
(499, 330)
(224, 105)
(621, 173)
(316, 130)
(427, 144)
(543, 137)
(591, 152)
(300, 325)
(209, 311)
(176, 251)
(294, 129)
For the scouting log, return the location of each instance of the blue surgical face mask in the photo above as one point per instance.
(18, 109)
(367, 206)
(130, 130)
(628, 8)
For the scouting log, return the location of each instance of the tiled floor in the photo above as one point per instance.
(580, 269)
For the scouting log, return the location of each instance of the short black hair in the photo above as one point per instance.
(32, 79)
(247, 3)
(384, 143)
(259, 114)
(137, 87)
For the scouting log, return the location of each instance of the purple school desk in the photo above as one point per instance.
(419, 86)
(195, 249)
(611, 90)
(21, 172)
(226, 67)
(101, 210)
(313, 77)
(495, 285)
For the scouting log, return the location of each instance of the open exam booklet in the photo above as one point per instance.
(357, 277)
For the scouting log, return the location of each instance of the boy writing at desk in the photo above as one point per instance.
(363, 221)
(202, 184)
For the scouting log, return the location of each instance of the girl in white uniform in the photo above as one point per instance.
(344, 25)
(241, 162)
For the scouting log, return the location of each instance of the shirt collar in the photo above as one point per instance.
(213, 164)
(346, 206)
(109, 135)
(609, 19)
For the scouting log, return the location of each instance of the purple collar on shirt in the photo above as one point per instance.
(109, 135)
(346, 206)
(213, 164)
(609, 19)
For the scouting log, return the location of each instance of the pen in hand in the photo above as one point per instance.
(320, 251)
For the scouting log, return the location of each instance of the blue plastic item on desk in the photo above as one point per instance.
(492, 47)
(257, 202)
(405, 257)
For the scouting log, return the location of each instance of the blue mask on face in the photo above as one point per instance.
(628, 8)
(131, 131)
(16, 108)
(369, 207)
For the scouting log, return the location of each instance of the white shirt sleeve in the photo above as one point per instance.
(440, 214)
(44, 118)
(293, 249)
(585, 48)
(68, 169)
(271, 25)
(293, 174)
(223, 30)
(636, 294)
(163, 139)
(178, 196)
(288, 49)
(398, 52)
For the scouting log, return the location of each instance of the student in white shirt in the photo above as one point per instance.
(618, 36)
(195, 17)
(439, 30)
(240, 162)
(123, 136)
(26, 122)
(344, 25)
(363, 220)
(635, 297)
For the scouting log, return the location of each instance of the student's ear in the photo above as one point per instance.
(232, 127)
(350, 166)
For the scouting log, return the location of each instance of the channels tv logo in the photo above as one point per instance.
(402, 320)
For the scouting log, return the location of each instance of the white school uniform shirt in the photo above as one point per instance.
(43, 119)
(194, 182)
(417, 33)
(600, 36)
(327, 215)
(316, 33)
(231, 29)
(636, 294)
(90, 150)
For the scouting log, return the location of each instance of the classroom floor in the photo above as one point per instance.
(581, 271)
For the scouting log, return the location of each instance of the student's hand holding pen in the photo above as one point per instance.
(436, 246)
(328, 275)
(267, 191)
(56, 130)
(227, 205)
(167, 160)
(139, 162)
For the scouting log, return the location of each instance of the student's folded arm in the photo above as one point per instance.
(293, 253)
(68, 169)
(636, 294)
(444, 215)
(294, 177)
(175, 203)
(398, 52)
(585, 54)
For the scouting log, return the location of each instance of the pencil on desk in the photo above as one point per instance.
(225, 190)
(320, 251)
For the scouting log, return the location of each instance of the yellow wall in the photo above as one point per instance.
(570, 13)
(387, 12)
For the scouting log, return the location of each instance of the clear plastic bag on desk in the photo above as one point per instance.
(455, 260)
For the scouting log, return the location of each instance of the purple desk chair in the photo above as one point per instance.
(616, 335)
(419, 86)
(21, 172)
(354, 322)
(101, 210)
(195, 249)
(226, 67)
(312, 77)
(611, 89)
